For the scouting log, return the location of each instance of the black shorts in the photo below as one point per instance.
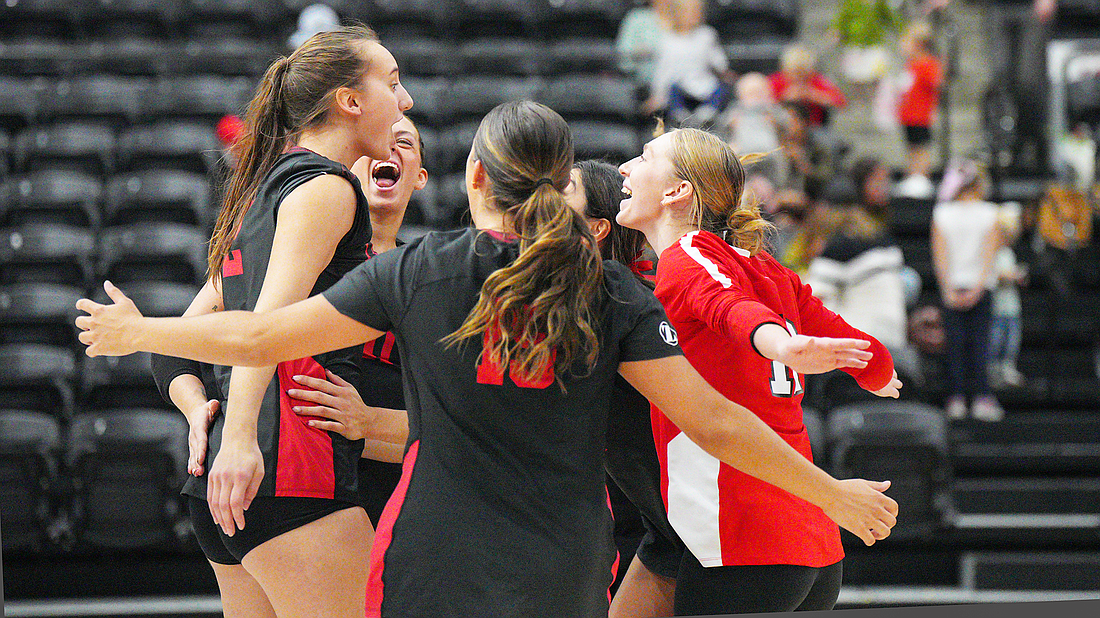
(265, 519)
(660, 553)
(754, 589)
(918, 136)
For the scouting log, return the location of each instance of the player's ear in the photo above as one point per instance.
(679, 195)
(600, 228)
(421, 179)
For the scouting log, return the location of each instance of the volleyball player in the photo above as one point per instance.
(750, 327)
(510, 335)
(294, 221)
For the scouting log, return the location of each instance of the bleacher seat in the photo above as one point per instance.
(203, 97)
(19, 99)
(454, 146)
(146, 18)
(159, 195)
(751, 19)
(429, 104)
(119, 381)
(5, 148)
(41, 57)
(587, 18)
(761, 56)
(502, 56)
(38, 253)
(39, 313)
(128, 466)
(152, 252)
(452, 202)
(470, 97)
(107, 98)
(37, 378)
(911, 216)
(612, 142)
(580, 55)
(29, 443)
(51, 197)
(87, 147)
(242, 18)
(431, 154)
(904, 442)
(130, 55)
(226, 55)
(423, 56)
(815, 430)
(592, 97)
(395, 19)
(41, 18)
(422, 206)
(496, 18)
(181, 145)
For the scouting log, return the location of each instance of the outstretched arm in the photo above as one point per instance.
(739, 438)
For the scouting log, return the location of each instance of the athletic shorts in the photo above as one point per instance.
(659, 553)
(918, 136)
(265, 519)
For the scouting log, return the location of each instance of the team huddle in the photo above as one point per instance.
(427, 428)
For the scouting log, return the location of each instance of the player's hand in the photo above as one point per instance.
(199, 419)
(338, 401)
(805, 354)
(890, 390)
(863, 509)
(234, 481)
(108, 330)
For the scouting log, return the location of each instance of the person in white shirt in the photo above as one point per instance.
(965, 240)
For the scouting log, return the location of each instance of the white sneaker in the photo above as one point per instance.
(1012, 376)
(988, 409)
(956, 408)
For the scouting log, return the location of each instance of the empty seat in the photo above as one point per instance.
(911, 216)
(904, 442)
(128, 467)
(471, 97)
(42, 57)
(37, 378)
(131, 55)
(152, 252)
(107, 98)
(395, 19)
(38, 253)
(41, 18)
(502, 56)
(815, 430)
(51, 197)
(159, 195)
(18, 99)
(79, 146)
(28, 472)
(203, 98)
(180, 145)
(423, 56)
(422, 205)
(454, 147)
(241, 18)
(119, 381)
(755, 55)
(431, 154)
(5, 148)
(452, 202)
(592, 97)
(588, 18)
(429, 103)
(234, 56)
(147, 18)
(580, 55)
(612, 142)
(496, 18)
(750, 19)
(39, 313)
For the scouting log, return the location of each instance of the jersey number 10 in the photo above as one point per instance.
(491, 373)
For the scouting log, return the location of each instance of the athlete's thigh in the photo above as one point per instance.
(242, 596)
(318, 569)
(702, 591)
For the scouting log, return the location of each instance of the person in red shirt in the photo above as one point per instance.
(752, 329)
(920, 95)
(798, 84)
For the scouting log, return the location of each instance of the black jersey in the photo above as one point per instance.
(502, 506)
(299, 460)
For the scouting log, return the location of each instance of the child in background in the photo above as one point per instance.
(686, 73)
(1004, 335)
(754, 123)
(920, 95)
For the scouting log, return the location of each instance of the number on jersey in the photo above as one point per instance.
(489, 372)
(785, 382)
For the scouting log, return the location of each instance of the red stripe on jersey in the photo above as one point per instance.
(614, 565)
(384, 534)
(232, 264)
(387, 346)
(305, 464)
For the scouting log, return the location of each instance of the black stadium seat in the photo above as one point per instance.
(41, 18)
(502, 56)
(37, 378)
(39, 313)
(152, 252)
(592, 97)
(128, 467)
(74, 145)
(159, 195)
(119, 381)
(497, 18)
(29, 443)
(587, 18)
(455, 142)
(39, 253)
(147, 18)
(131, 55)
(51, 197)
(613, 142)
(107, 98)
(181, 145)
(243, 18)
(203, 97)
(423, 56)
(234, 56)
(429, 105)
(19, 100)
(394, 19)
(470, 97)
(580, 55)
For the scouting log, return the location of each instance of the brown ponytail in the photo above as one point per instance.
(543, 303)
(295, 93)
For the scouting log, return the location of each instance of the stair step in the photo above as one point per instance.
(1028, 496)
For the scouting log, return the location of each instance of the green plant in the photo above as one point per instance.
(866, 23)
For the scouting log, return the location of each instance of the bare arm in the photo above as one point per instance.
(737, 437)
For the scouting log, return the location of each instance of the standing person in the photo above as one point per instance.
(920, 96)
(798, 83)
(503, 470)
(965, 240)
(640, 35)
(294, 221)
(752, 547)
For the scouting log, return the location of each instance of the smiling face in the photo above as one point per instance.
(646, 180)
(390, 181)
(385, 101)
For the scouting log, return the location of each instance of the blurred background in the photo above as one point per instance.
(115, 117)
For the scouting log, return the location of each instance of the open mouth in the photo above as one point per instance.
(626, 191)
(385, 174)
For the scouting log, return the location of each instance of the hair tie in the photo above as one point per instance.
(544, 181)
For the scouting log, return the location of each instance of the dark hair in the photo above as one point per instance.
(543, 304)
(295, 93)
(862, 169)
(603, 186)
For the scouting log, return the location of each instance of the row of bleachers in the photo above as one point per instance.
(446, 18)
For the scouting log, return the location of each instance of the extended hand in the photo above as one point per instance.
(805, 354)
(199, 420)
(108, 329)
(890, 390)
(862, 509)
(234, 481)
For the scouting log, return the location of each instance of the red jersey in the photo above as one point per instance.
(921, 93)
(816, 114)
(716, 296)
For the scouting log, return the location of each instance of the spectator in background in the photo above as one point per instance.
(689, 70)
(965, 239)
(754, 123)
(809, 157)
(1005, 334)
(872, 181)
(798, 84)
(920, 95)
(640, 35)
(313, 19)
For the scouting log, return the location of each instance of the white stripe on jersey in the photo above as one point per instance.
(709, 266)
(693, 499)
